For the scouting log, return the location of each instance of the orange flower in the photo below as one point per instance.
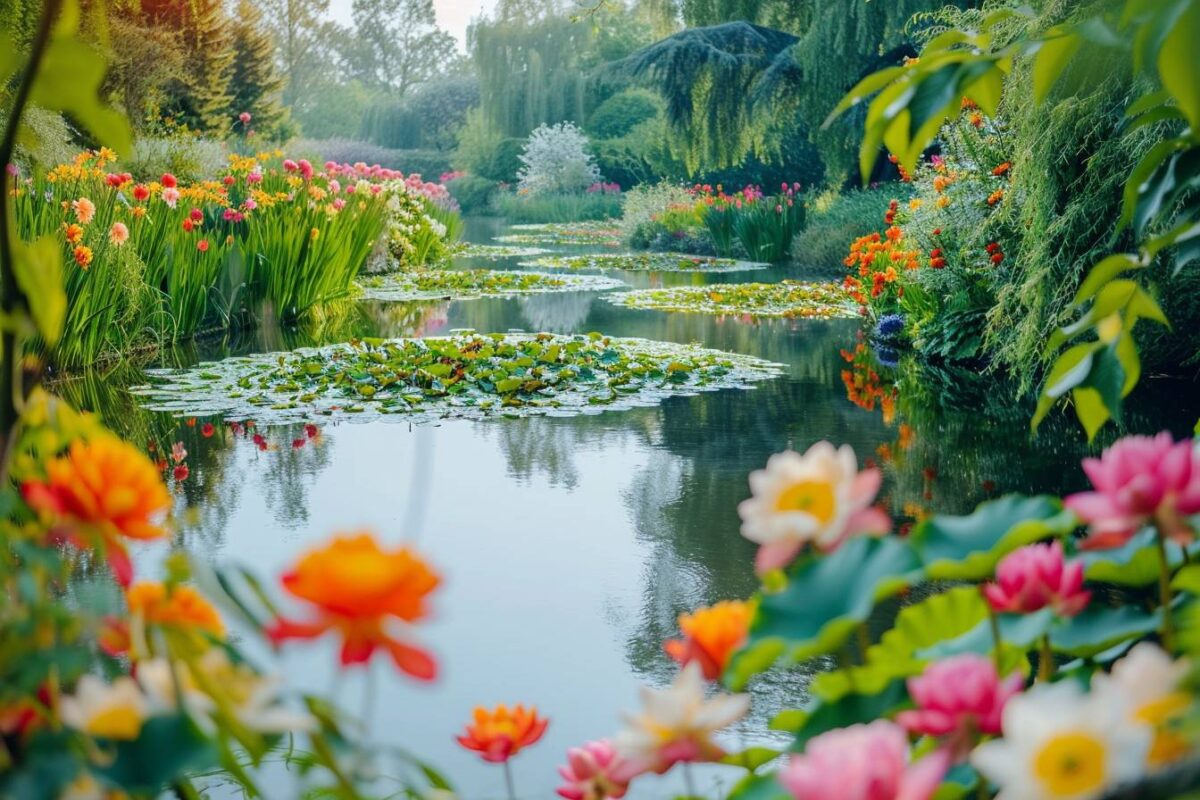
(995, 197)
(711, 636)
(501, 733)
(977, 120)
(73, 232)
(357, 588)
(83, 255)
(103, 487)
(177, 606)
(1003, 168)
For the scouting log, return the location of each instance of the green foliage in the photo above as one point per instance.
(184, 155)
(255, 85)
(556, 207)
(473, 193)
(428, 118)
(621, 113)
(788, 299)
(442, 284)
(836, 218)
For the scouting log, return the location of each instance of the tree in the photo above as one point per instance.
(255, 85)
(300, 29)
(200, 97)
(399, 44)
(144, 62)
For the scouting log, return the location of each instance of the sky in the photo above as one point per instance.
(453, 15)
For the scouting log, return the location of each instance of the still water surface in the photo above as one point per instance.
(569, 546)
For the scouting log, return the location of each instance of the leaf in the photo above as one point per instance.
(1098, 628)
(824, 599)
(1187, 580)
(867, 86)
(1134, 563)
(167, 747)
(1020, 630)
(759, 787)
(1107, 378)
(823, 716)
(1051, 59)
(1091, 410)
(1177, 63)
(751, 758)
(968, 548)
(37, 268)
(1104, 271)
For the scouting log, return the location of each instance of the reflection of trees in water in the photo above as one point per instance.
(557, 312)
(286, 473)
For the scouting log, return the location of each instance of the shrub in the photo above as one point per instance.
(621, 113)
(556, 160)
(473, 193)
(557, 207)
(837, 218)
(187, 157)
(52, 140)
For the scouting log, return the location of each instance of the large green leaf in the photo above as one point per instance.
(1052, 58)
(1098, 628)
(968, 548)
(821, 716)
(37, 267)
(825, 598)
(1178, 67)
(1134, 563)
(1018, 630)
(759, 787)
(168, 747)
(920, 625)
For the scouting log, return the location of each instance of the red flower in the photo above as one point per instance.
(181, 472)
(188, 226)
(207, 430)
(141, 192)
(168, 180)
(298, 443)
(997, 257)
(202, 245)
(196, 215)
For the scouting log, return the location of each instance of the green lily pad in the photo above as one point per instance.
(471, 376)
(644, 262)
(784, 299)
(601, 234)
(968, 548)
(825, 598)
(471, 283)
(1135, 563)
(821, 716)
(496, 252)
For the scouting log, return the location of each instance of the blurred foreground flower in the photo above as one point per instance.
(1036, 576)
(711, 636)
(960, 697)
(588, 773)
(106, 711)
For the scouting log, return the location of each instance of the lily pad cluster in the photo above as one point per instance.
(497, 252)
(469, 375)
(462, 284)
(645, 262)
(600, 234)
(785, 299)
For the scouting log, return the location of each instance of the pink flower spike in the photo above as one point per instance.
(588, 773)
(960, 698)
(1138, 481)
(1035, 577)
(864, 762)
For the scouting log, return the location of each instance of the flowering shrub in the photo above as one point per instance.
(556, 159)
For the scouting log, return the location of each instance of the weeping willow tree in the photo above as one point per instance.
(732, 89)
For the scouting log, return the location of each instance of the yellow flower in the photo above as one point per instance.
(105, 711)
(176, 606)
(313, 234)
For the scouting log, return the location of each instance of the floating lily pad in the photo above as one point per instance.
(645, 262)
(496, 252)
(469, 375)
(603, 234)
(461, 284)
(785, 299)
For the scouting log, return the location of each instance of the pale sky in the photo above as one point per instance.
(453, 15)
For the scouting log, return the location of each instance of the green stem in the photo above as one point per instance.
(994, 625)
(689, 785)
(508, 780)
(864, 642)
(1164, 592)
(1045, 661)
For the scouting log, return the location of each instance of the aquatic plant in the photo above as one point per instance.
(644, 262)
(784, 299)
(468, 375)
(586, 233)
(462, 284)
(496, 252)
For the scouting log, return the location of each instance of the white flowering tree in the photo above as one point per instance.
(556, 159)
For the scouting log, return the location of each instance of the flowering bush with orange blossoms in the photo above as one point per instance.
(359, 590)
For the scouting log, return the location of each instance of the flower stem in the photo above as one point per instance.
(994, 625)
(508, 780)
(864, 642)
(1045, 661)
(1164, 592)
(688, 784)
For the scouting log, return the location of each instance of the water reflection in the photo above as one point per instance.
(570, 545)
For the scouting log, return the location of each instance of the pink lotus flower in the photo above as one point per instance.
(863, 762)
(1035, 577)
(588, 773)
(1139, 480)
(960, 697)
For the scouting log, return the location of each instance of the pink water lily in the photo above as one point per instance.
(1036, 577)
(1139, 480)
(589, 773)
(863, 762)
(960, 698)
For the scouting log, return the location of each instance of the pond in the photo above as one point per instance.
(569, 545)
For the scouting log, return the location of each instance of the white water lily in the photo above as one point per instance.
(106, 711)
(676, 724)
(819, 498)
(1061, 743)
(253, 698)
(1150, 681)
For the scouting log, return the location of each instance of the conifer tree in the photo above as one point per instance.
(208, 39)
(255, 85)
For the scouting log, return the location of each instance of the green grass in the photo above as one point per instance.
(557, 207)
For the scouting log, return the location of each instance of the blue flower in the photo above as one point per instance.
(890, 326)
(886, 356)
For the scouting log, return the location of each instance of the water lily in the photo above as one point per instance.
(106, 711)
(1152, 681)
(1139, 480)
(588, 773)
(711, 636)
(863, 762)
(1035, 577)
(676, 724)
(959, 697)
(1063, 744)
(364, 593)
(819, 498)
(500, 733)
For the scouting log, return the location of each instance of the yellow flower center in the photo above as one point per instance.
(1070, 764)
(1162, 715)
(118, 722)
(815, 498)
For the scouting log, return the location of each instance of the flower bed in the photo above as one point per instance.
(463, 284)
(785, 299)
(466, 376)
(645, 262)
